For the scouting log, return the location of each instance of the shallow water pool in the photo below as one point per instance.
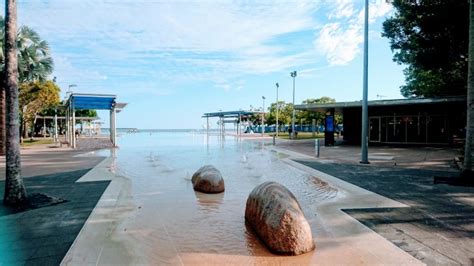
(170, 219)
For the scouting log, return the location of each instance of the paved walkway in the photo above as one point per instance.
(406, 157)
(43, 160)
(43, 236)
(438, 228)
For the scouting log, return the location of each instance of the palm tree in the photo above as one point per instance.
(34, 64)
(15, 193)
(468, 154)
(34, 59)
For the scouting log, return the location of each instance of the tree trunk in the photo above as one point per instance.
(15, 193)
(2, 119)
(468, 155)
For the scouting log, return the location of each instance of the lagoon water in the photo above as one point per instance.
(168, 222)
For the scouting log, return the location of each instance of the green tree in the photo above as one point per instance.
(34, 56)
(308, 116)
(284, 113)
(34, 64)
(431, 38)
(35, 97)
(61, 112)
(15, 192)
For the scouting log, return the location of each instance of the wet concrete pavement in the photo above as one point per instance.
(437, 228)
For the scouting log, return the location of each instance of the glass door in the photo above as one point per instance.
(375, 129)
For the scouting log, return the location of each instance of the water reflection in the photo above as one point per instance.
(209, 202)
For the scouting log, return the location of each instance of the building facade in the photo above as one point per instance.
(439, 121)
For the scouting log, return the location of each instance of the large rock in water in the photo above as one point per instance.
(208, 180)
(275, 215)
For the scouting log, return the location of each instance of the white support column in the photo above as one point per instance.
(66, 120)
(73, 126)
(70, 127)
(207, 120)
(55, 127)
(240, 125)
(113, 135)
(44, 127)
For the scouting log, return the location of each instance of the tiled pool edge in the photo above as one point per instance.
(90, 244)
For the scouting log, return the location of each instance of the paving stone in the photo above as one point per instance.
(436, 229)
(44, 261)
(42, 236)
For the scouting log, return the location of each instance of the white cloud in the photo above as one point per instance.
(340, 43)
(340, 39)
(341, 9)
(98, 40)
(95, 37)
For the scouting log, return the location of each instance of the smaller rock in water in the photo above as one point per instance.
(275, 215)
(208, 180)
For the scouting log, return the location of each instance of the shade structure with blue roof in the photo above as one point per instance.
(95, 102)
(81, 101)
(224, 118)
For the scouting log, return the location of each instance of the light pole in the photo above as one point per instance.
(71, 86)
(365, 109)
(263, 115)
(276, 128)
(69, 91)
(293, 75)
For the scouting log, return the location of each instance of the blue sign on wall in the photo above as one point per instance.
(330, 123)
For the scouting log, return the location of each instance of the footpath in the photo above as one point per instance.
(438, 228)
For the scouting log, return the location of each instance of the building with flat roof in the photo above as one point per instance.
(401, 121)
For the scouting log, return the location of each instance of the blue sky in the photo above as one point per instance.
(172, 61)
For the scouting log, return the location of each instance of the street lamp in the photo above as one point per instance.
(263, 115)
(69, 92)
(293, 75)
(276, 128)
(365, 109)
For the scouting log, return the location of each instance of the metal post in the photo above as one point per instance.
(73, 126)
(365, 111)
(263, 115)
(317, 146)
(277, 105)
(55, 126)
(293, 75)
(240, 125)
(110, 125)
(66, 120)
(69, 140)
(44, 126)
(113, 129)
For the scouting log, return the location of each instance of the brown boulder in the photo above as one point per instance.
(275, 215)
(208, 180)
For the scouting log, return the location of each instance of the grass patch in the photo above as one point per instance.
(32, 142)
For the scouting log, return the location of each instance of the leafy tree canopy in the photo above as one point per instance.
(431, 38)
(62, 112)
(34, 59)
(36, 96)
(308, 116)
(285, 112)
